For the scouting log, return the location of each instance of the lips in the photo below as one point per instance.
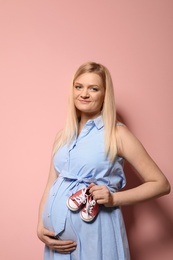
(84, 101)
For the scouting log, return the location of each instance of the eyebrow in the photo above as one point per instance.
(90, 85)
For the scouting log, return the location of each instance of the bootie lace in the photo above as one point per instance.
(81, 198)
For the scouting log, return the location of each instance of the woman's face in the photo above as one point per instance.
(88, 93)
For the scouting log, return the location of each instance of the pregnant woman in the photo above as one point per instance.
(80, 212)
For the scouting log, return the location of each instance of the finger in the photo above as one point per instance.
(49, 233)
(98, 192)
(91, 185)
(64, 251)
(63, 246)
(61, 243)
(65, 243)
(95, 188)
(101, 196)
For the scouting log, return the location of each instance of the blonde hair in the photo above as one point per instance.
(108, 111)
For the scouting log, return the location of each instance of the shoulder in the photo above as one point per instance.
(121, 130)
(58, 137)
(127, 142)
(118, 123)
(57, 141)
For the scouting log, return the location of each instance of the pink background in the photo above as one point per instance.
(41, 44)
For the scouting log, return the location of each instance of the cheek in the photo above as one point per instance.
(75, 95)
(101, 99)
(99, 102)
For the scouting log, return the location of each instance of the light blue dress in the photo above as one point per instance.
(79, 164)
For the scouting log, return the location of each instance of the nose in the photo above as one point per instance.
(84, 93)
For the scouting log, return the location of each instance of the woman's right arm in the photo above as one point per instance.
(40, 228)
(45, 235)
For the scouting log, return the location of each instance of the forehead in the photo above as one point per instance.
(89, 78)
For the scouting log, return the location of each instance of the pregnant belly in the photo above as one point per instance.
(56, 215)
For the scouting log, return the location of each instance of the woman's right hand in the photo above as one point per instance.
(61, 246)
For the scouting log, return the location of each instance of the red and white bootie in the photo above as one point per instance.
(77, 200)
(90, 210)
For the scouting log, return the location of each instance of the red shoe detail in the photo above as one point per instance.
(90, 210)
(77, 200)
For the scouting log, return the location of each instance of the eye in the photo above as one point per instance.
(78, 86)
(94, 89)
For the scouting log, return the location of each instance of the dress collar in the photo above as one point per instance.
(97, 121)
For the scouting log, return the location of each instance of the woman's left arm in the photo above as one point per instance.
(154, 185)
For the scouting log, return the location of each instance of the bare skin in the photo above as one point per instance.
(154, 184)
(88, 98)
(45, 235)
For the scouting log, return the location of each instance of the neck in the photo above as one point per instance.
(85, 117)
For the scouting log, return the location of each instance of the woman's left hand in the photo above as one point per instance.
(101, 194)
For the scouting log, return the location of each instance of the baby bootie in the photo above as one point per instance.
(90, 210)
(78, 199)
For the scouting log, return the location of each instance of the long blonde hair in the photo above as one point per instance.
(108, 111)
